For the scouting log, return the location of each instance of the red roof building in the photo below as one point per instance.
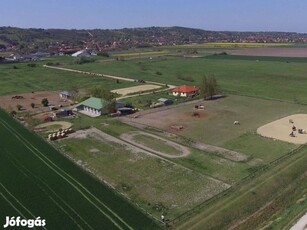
(185, 91)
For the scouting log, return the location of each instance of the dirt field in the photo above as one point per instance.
(301, 224)
(178, 120)
(273, 52)
(135, 89)
(280, 129)
(9, 104)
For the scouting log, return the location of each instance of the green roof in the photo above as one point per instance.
(93, 102)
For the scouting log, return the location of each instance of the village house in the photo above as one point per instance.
(185, 91)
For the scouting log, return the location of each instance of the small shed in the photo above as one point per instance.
(165, 101)
(65, 95)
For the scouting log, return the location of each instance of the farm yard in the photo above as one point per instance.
(173, 160)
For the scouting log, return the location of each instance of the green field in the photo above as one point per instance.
(259, 90)
(28, 79)
(156, 185)
(36, 180)
(267, 77)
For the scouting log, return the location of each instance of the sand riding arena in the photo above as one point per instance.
(291, 129)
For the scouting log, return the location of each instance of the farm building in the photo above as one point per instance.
(62, 113)
(86, 52)
(185, 91)
(64, 95)
(161, 102)
(165, 101)
(95, 107)
(92, 106)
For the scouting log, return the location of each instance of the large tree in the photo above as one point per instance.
(209, 87)
(106, 95)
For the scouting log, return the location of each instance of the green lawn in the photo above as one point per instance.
(156, 144)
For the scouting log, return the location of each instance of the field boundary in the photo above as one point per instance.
(226, 192)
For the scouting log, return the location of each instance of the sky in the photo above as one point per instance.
(218, 15)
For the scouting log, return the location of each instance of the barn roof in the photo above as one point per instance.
(185, 89)
(93, 102)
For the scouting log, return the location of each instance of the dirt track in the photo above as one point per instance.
(129, 137)
(64, 124)
(301, 224)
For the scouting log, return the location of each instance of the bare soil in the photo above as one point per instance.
(301, 224)
(273, 52)
(9, 103)
(280, 129)
(173, 122)
(135, 89)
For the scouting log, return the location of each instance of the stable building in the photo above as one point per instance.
(95, 107)
(185, 91)
(92, 107)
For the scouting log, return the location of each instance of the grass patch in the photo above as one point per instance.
(155, 144)
(260, 148)
(175, 188)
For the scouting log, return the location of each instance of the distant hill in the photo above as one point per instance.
(57, 40)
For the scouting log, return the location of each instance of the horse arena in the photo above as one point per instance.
(282, 128)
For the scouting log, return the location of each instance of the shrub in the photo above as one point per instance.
(45, 102)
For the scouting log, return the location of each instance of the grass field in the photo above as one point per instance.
(268, 77)
(132, 54)
(54, 188)
(156, 144)
(156, 185)
(253, 204)
(28, 79)
(233, 45)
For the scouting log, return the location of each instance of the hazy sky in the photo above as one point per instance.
(232, 15)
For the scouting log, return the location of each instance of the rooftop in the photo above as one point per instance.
(185, 89)
(93, 102)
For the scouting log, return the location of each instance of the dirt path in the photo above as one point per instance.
(94, 132)
(301, 224)
(129, 137)
(63, 124)
(114, 77)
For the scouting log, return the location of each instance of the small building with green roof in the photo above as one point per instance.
(92, 106)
